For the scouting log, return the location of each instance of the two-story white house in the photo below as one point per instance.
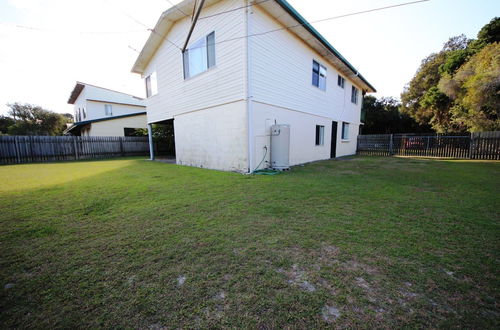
(248, 65)
(100, 111)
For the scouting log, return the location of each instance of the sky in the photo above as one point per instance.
(48, 45)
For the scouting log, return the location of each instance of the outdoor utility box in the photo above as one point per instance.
(280, 147)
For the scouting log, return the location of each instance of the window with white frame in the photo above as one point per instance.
(354, 95)
(319, 75)
(151, 84)
(108, 109)
(200, 56)
(340, 81)
(320, 135)
(84, 113)
(345, 131)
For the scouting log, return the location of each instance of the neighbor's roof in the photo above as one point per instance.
(85, 122)
(109, 95)
(280, 10)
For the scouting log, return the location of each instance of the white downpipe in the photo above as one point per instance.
(150, 139)
(249, 87)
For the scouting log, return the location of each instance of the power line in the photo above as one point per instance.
(25, 27)
(132, 48)
(176, 7)
(317, 21)
(145, 26)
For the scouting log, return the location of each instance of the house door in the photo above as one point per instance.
(333, 148)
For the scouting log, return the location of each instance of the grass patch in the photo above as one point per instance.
(362, 242)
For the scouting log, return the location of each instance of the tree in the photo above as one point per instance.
(420, 88)
(490, 33)
(34, 120)
(383, 116)
(5, 122)
(456, 90)
(475, 89)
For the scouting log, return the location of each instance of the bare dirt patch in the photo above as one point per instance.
(330, 313)
(298, 277)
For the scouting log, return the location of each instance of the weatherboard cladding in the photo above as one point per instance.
(85, 122)
(172, 15)
(282, 74)
(222, 84)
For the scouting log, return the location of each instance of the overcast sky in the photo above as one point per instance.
(48, 45)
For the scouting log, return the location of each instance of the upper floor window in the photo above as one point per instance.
(151, 84)
(354, 95)
(200, 56)
(319, 75)
(340, 81)
(108, 109)
(84, 113)
(320, 135)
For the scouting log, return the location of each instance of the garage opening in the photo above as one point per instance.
(164, 140)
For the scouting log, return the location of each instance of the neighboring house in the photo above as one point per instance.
(104, 112)
(249, 65)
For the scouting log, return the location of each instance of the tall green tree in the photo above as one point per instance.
(34, 120)
(456, 90)
(5, 123)
(475, 90)
(421, 99)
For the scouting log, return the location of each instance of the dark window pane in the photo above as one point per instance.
(315, 74)
(185, 59)
(148, 86)
(211, 49)
(129, 131)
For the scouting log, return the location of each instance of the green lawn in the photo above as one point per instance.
(360, 242)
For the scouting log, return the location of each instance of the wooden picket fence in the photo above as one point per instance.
(482, 145)
(33, 149)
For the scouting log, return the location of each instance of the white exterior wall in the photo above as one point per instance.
(303, 146)
(221, 84)
(95, 110)
(122, 104)
(347, 147)
(210, 110)
(282, 77)
(80, 104)
(213, 138)
(104, 94)
(114, 127)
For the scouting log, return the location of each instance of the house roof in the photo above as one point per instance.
(85, 122)
(280, 10)
(79, 86)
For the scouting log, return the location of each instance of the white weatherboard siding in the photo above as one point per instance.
(282, 89)
(80, 105)
(222, 117)
(213, 138)
(115, 127)
(282, 74)
(221, 84)
(107, 95)
(95, 110)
